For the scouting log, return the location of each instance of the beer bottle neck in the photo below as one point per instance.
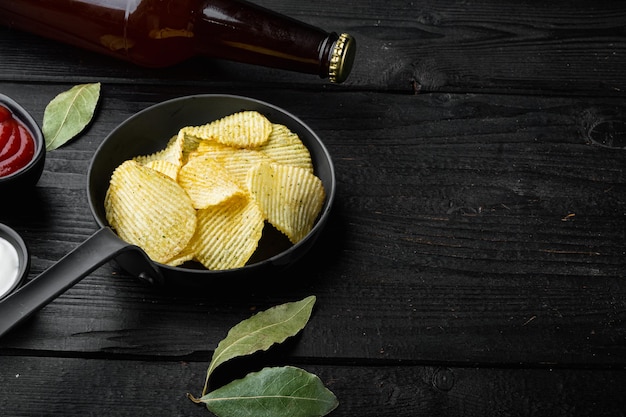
(243, 32)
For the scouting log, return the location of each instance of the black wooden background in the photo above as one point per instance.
(474, 263)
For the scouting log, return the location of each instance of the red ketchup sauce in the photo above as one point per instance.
(17, 146)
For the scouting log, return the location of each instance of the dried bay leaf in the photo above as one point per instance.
(261, 331)
(271, 392)
(69, 113)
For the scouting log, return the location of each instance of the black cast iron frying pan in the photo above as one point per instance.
(144, 133)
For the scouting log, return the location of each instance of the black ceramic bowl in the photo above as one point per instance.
(149, 131)
(27, 176)
(11, 280)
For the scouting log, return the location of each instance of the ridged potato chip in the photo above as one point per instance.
(236, 161)
(182, 257)
(189, 144)
(289, 197)
(150, 210)
(164, 167)
(207, 183)
(246, 129)
(208, 194)
(285, 147)
(171, 153)
(228, 233)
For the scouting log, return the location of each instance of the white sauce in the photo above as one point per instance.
(9, 266)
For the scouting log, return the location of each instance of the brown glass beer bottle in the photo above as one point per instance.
(158, 33)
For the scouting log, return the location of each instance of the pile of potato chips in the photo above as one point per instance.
(207, 195)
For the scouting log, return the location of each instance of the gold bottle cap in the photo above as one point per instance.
(342, 58)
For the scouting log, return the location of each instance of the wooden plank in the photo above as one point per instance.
(467, 228)
(87, 386)
(485, 46)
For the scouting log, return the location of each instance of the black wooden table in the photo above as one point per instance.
(475, 261)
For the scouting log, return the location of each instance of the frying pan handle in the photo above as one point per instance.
(85, 258)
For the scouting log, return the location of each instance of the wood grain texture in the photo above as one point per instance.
(474, 263)
(94, 387)
(478, 223)
(481, 46)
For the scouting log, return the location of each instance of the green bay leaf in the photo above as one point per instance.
(69, 113)
(261, 331)
(272, 392)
